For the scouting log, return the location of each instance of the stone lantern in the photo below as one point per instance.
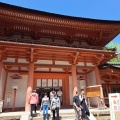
(15, 84)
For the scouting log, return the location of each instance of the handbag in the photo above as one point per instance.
(53, 107)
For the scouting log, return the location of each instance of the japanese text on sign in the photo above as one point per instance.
(93, 91)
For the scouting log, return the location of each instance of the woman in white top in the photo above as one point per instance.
(60, 94)
(52, 95)
(44, 105)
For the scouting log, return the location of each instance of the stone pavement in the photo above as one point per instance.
(22, 115)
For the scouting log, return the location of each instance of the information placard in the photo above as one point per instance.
(93, 91)
(114, 102)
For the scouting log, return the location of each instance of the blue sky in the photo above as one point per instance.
(96, 9)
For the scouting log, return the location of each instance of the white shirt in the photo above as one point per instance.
(52, 94)
(81, 98)
(59, 93)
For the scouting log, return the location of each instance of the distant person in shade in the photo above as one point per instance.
(33, 101)
(52, 93)
(40, 97)
(60, 95)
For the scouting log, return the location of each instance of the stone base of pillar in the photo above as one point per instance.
(27, 105)
(74, 91)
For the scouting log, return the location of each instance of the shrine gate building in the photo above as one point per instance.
(47, 51)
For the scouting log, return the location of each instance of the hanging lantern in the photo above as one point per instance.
(82, 82)
(15, 79)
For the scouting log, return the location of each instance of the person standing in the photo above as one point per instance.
(44, 106)
(85, 110)
(77, 106)
(40, 97)
(33, 101)
(52, 95)
(60, 95)
(55, 106)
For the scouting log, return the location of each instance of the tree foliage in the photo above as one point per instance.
(117, 46)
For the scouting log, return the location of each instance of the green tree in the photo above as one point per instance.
(117, 46)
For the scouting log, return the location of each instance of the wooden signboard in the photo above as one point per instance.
(93, 91)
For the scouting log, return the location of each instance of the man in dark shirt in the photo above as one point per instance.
(77, 106)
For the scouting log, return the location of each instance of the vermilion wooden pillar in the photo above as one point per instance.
(97, 74)
(14, 99)
(63, 90)
(67, 95)
(1, 66)
(98, 82)
(29, 85)
(86, 81)
(74, 79)
(4, 91)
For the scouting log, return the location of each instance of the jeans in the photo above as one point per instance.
(45, 111)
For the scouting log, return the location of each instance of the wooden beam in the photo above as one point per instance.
(90, 71)
(100, 35)
(44, 65)
(49, 69)
(86, 80)
(75, 58)
(111, 80)
(31, 55)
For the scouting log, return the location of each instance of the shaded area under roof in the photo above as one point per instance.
(112, 65)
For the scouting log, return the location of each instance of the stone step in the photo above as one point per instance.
(98, 115)
(102, 115)
(102, 118)
(14, 117)
(62, 117)
(65, 114)
(25, 116)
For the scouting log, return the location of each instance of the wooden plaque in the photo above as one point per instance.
(94, 91)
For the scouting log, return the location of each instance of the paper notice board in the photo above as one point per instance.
(114, 103)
